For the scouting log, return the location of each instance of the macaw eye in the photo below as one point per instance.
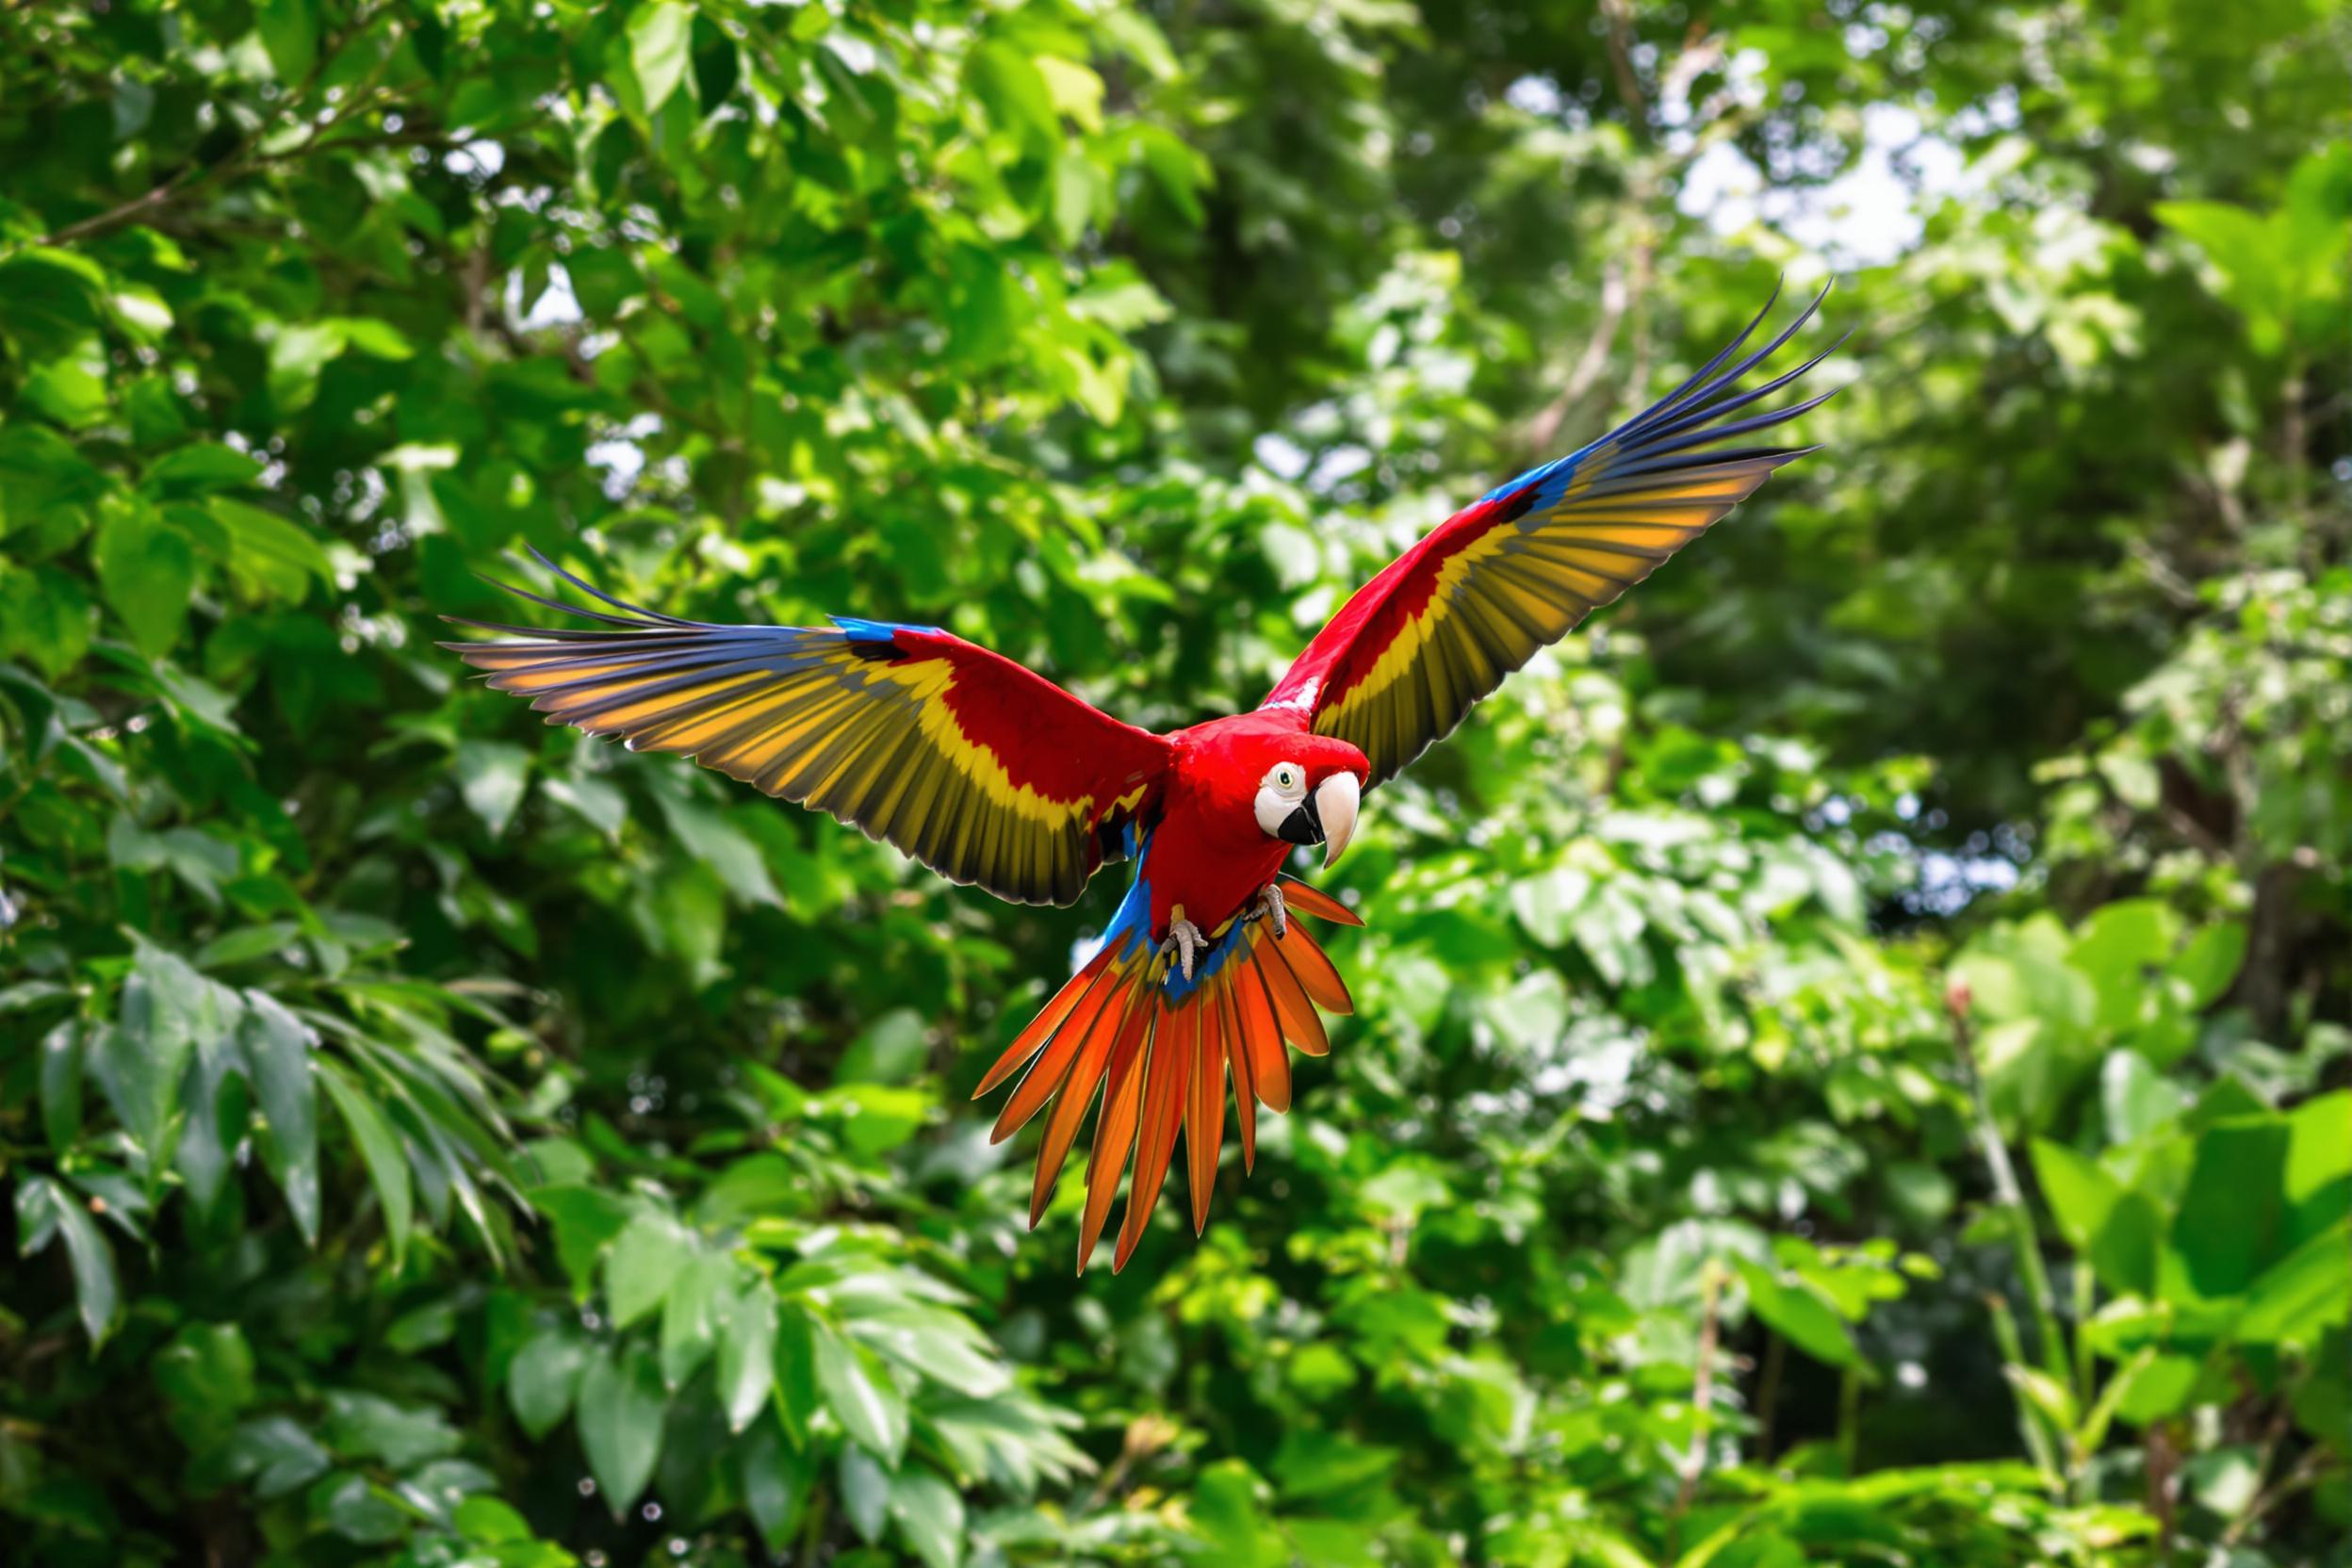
(1286, 779)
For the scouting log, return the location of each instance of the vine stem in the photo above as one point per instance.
(2025, 1236)
(1702, 1397)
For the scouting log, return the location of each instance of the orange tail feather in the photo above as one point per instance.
(1314, 971)
(1158, 1066)
(1040, 1029)
(1115, 1130)
(1204, 1118)
(1170, 1068)
(1303, 899)
(1299, 1024)
(1245, 1092)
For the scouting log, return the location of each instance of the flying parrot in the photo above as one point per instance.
(990, 775)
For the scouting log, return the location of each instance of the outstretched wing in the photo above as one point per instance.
(1405, 658)
(984, 771)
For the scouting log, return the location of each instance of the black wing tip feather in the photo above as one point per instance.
(1692, 416)
(634, 620)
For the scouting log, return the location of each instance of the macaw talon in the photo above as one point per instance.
(1271, 906)
(1184, 940)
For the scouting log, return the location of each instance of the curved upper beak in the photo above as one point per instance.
(1335, 802)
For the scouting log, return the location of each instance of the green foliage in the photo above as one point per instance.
(1853, 1047)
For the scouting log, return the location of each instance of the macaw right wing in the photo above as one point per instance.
(1416, 647)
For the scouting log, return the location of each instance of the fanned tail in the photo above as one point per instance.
(1155, 1053)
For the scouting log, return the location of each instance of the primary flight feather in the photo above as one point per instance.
(991, 774)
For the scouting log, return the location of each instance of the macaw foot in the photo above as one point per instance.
(1185, 940)
(1271, 906)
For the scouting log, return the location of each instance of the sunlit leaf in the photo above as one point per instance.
(621, 1406)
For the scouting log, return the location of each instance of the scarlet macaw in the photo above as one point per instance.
(991, 774)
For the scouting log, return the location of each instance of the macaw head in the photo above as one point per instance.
(1309, 790)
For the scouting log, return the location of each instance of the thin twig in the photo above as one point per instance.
(2313, 1465)
(236, 161)
(2161, 1461)
(2009, 1195)
(1618, 17)
(1701, 1398)
(1543, 429)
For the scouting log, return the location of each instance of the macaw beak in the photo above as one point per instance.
(1335, 802)
(1327, 817)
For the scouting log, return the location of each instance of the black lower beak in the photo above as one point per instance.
(1304, 827)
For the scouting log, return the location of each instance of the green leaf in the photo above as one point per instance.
(289, 33)
(621, 1411)
(206, 1375)
(775, 1483)
(2079, 1192)
(798, 1398)
(1800, 1315)
(277, 1048)
(1015, 93)
(2244, 249)
(374, 338)
(213, 1101)
(95, 1291)
(44, 618)
(2153, 1387)
(865, 1488)
(61, 1085)
(2319, 1152)
(2303, 1296)
(891, 1049)
(2125, 1254)
(2226, 1480)
(492, 775)
(269, 556)
(277, 1455)
(422, 1328)
(710, 837)
(930, 1518)
(2045, 1393)
(357, 1510)
(246, 944)
(747, 1357)
(367, 1426)
(941, 1345)
(596, 802)
(690, 1314)
(147, 571)
(1228, 1513)
(659, 48)
(379, 1150)
(200, 467)
(2209, 964)
(2229, 1223)
(2135, 1097)
(645, 1262)
(541, 1383)
(585, 1220)
(141, 1061)
(862, 1394)
(487, 1522)
(2121, 947)
(36, 1215)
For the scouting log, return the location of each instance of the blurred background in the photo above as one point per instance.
(1851, 1047)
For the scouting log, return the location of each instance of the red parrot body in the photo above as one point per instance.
(1207, 860)
(989, 773)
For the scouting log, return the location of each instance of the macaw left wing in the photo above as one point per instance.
(1436, 630)
(978, 767)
